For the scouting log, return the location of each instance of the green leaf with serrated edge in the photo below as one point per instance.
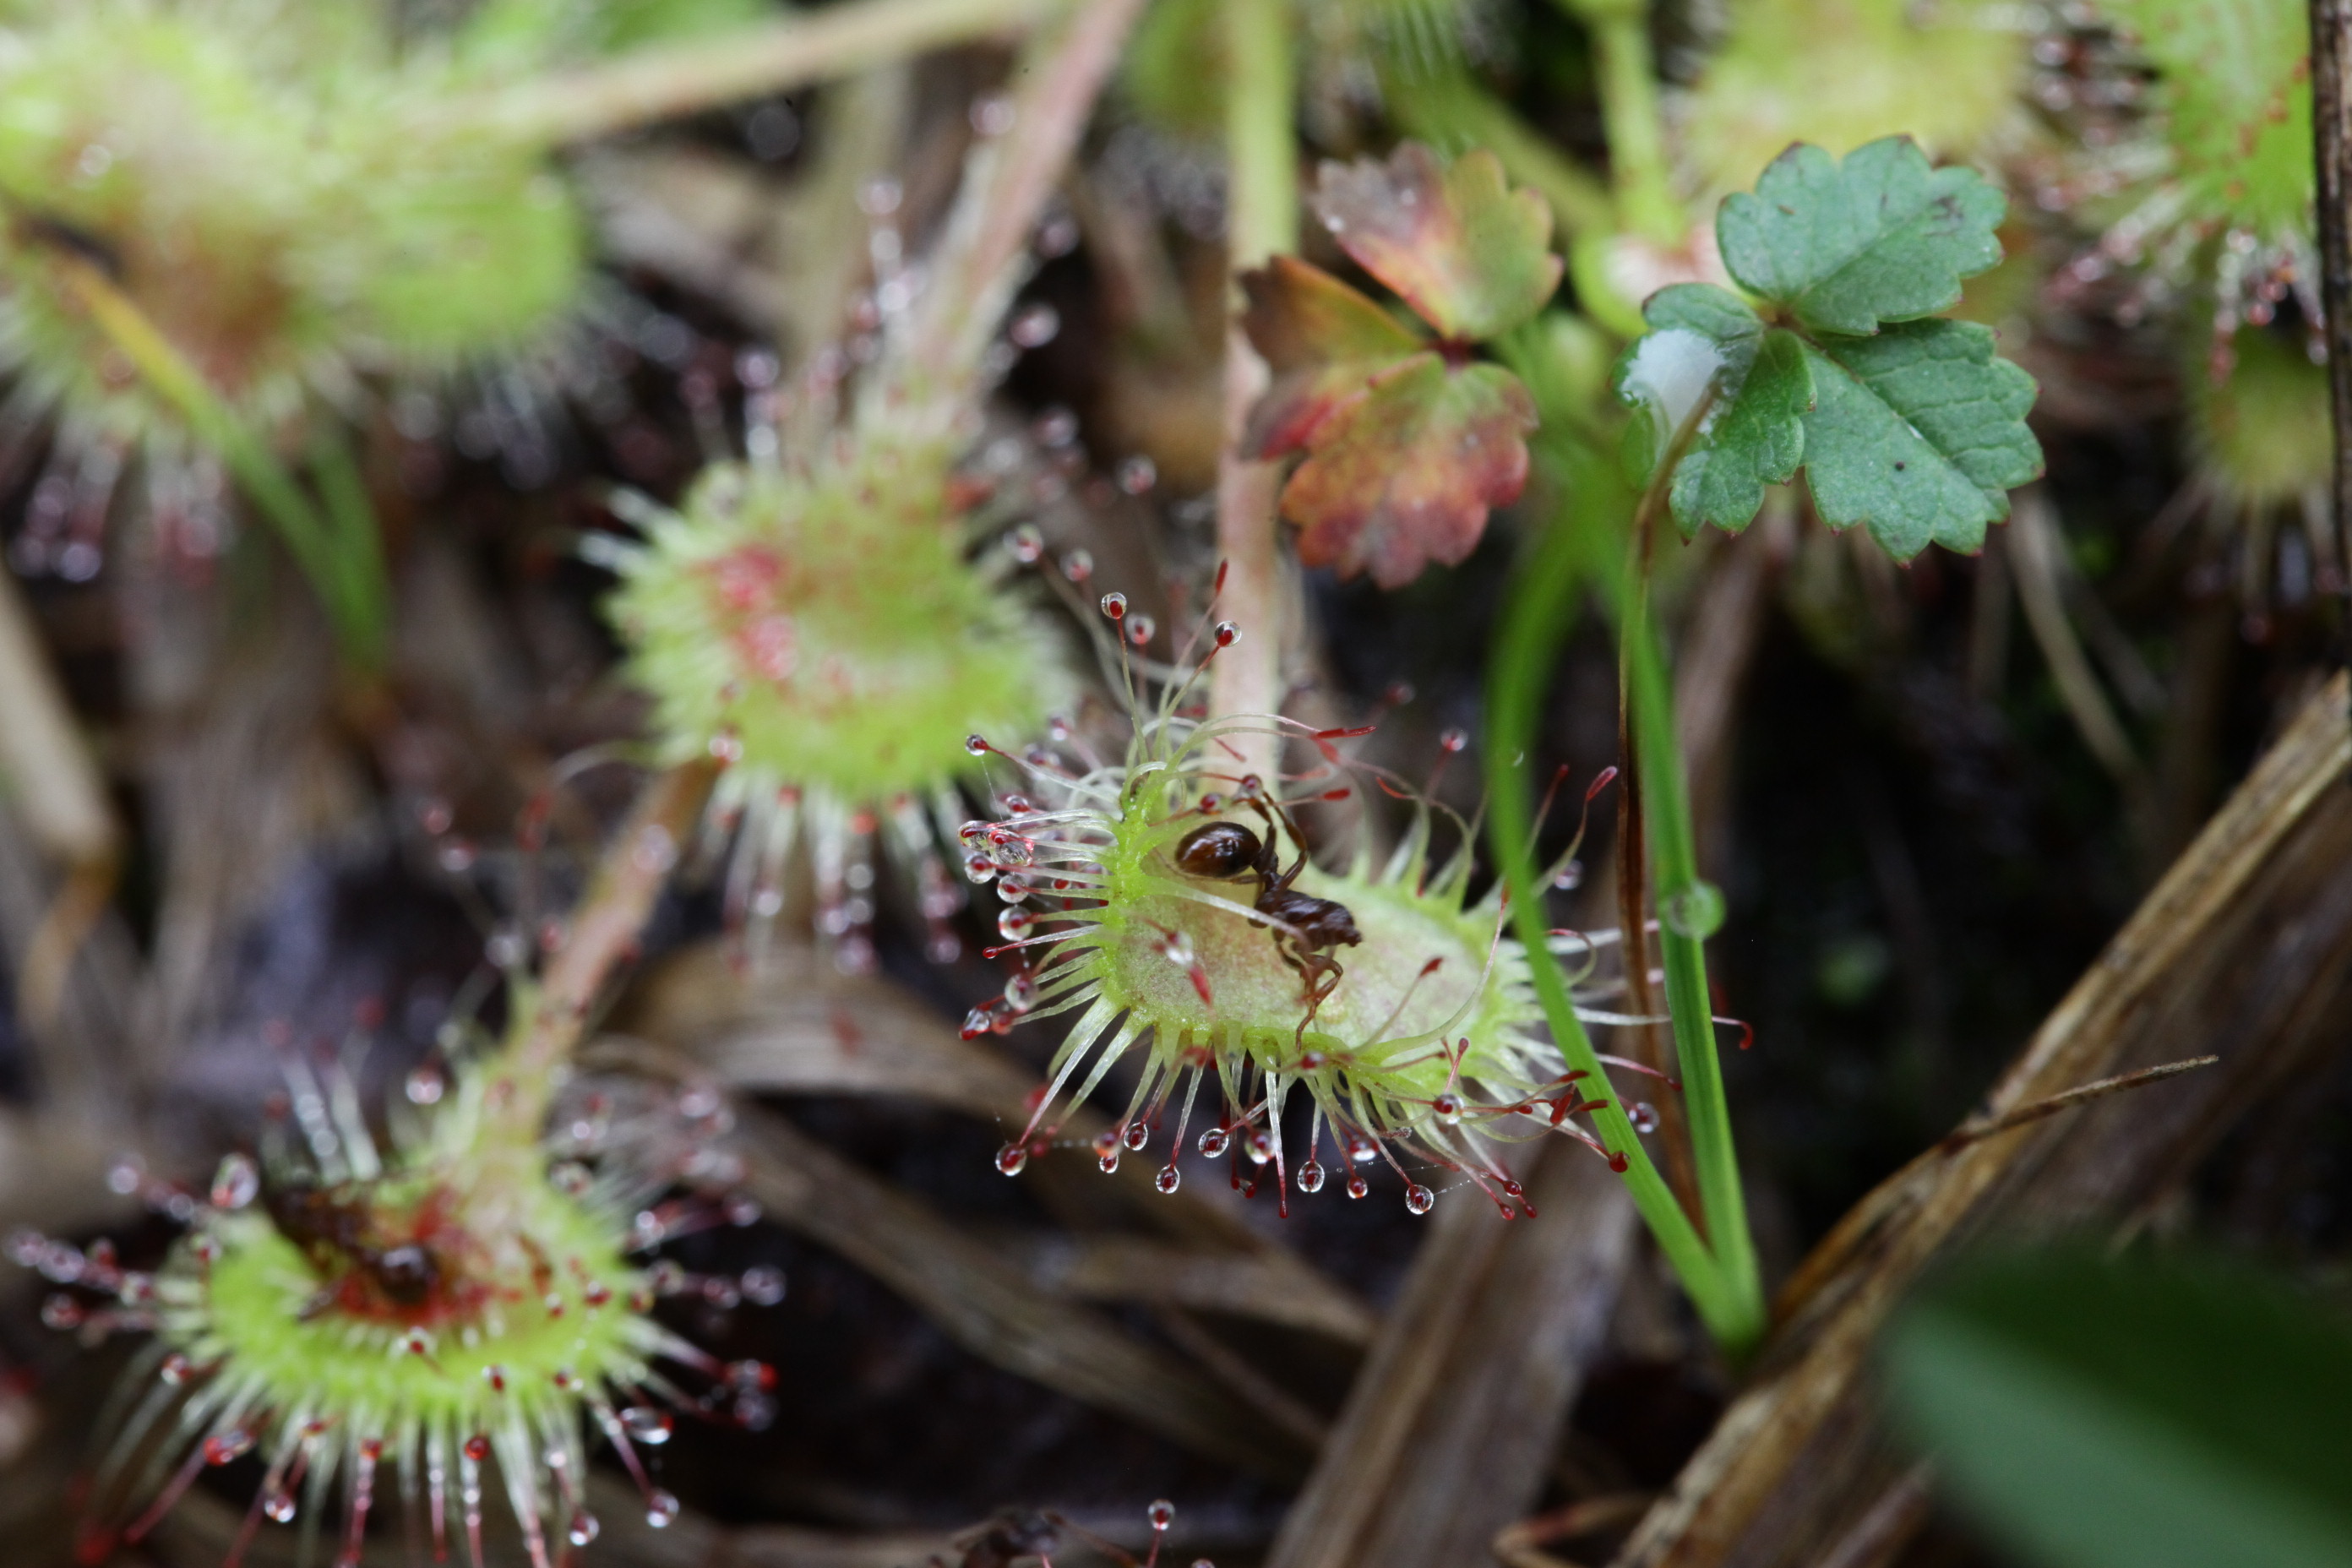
(1919, 432)
(1845, 246)
(1752, 436)
(1325, 344)
(1406, 476)
(1470, 254)
(2135, 1414)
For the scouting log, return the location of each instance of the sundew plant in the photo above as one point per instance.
(1271, 778)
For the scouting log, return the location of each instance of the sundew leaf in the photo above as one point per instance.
(1752, 436)
(1918, 432)
(1910, 425)
(1407, 475)
(1471, 255)
(1844, 247)
(2138, 1415)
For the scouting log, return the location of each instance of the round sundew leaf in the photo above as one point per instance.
(2132, 1415)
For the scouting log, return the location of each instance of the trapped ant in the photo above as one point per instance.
(336, 1231)
(1310, 926)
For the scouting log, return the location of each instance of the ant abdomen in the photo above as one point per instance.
(1220, 849)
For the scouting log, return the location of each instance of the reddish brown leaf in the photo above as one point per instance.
(1299, 315)
(1471, 256)
(1405, 474)
(1324, 342)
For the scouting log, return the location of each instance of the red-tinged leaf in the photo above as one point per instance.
(1325, 343)
(1300, 316)
(1407, 474)
(1471, 256)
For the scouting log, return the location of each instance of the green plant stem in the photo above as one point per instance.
(1262, 219)
(1673, 858)
(349, 579)
(1536, 620)
(663, 81)
(1632, 119)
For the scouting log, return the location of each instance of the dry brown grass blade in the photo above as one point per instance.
(1445, 1436)
(806, 1029)
(988, 1306)
(1262, 1285)
(2244, 948)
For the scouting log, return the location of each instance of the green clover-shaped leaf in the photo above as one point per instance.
(1913, 427)
(1844, 246)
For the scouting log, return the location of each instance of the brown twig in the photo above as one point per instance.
(1976, 1132)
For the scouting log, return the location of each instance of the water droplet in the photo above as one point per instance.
(1055, 428)
(1021, 991)
(1618, 1163)
(991, 114)
(277, 1502)
(1016, 923)
(1012, 1158)
(571, 1178)
(1078, 565)
(1034, 326)
(1419, 1199)
(1227, 633)
(976, 1022)
(1139, 1136)
(1311, 1177)
(1136, 475)
(1643, 1115)
(1169, 1179)
(1259, 1145)
(1215, 1141)
(222, 1447)
(583, 1530)
(425, 1086)
(978, 868)
(1694, 912)
(661, 1509)
(1027, 544)
(175, 1369)
(1161, 1513)
(646, 1424)
(1447, 1106)
(1357, 1186)
(236, 1183)
(1140, 629)
(1115, 606)
(763, 1286)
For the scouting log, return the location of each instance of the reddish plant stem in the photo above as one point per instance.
(980, 262)
(601, 935)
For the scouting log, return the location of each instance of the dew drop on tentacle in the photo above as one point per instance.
(1138, 1136)
(1169, 1179)
(1644, 1116)
(661, 1509)
(1419, 1199)
(1215, 1141)
(1357, 1186)
(1011, 1158)
(646, 1425)
(1311, 1177)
